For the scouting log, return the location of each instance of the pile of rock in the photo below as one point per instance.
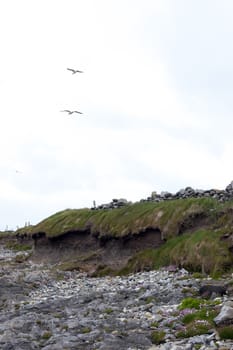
(189, 192)
(114, 204)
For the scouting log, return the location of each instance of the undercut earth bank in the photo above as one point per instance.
(154, 275)
(194, 233)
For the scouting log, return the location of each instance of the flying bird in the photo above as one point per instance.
(75, 70)
(71, 112)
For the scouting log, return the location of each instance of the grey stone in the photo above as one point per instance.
(226, 315)
(96, 313)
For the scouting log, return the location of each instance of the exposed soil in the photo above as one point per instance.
(85, 251)
(194, 222)
(90, 251)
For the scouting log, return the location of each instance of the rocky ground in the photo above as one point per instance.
(43, 308)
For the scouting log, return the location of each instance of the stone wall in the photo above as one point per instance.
(188, 192)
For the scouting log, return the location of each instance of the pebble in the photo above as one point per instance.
(42, 311)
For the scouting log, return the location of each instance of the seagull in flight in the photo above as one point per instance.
(75, 70)
(71, 112)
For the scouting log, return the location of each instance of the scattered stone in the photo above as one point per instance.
(116, 203)
(188, 192)
(42, 310)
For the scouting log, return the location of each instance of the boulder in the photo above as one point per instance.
(210, 291)
(226, 314)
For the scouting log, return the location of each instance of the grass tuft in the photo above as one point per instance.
(226, 332)
(158, 337)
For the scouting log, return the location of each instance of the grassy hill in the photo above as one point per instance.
(197, 233)
(169, 216)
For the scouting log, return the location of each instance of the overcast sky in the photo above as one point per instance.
(156, 97)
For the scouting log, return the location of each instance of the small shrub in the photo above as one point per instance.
(200, 315)
(189, 318)
(158, 337)
(190, 303)
(194, 328)
(226, 332)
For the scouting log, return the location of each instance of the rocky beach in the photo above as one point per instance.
(45, 308)
(151, 275)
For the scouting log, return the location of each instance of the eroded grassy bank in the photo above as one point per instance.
(195, 233)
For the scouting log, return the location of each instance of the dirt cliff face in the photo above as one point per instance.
(81, 250)
(191, 233)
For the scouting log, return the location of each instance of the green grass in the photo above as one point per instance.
(226, 332)
(204, 314)
(7, 233)
(195, 328)
(191, 303)
(196, 251)
(130, 219)
(197, 316)
(18, 247)
(190, 228)
(158, 337)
